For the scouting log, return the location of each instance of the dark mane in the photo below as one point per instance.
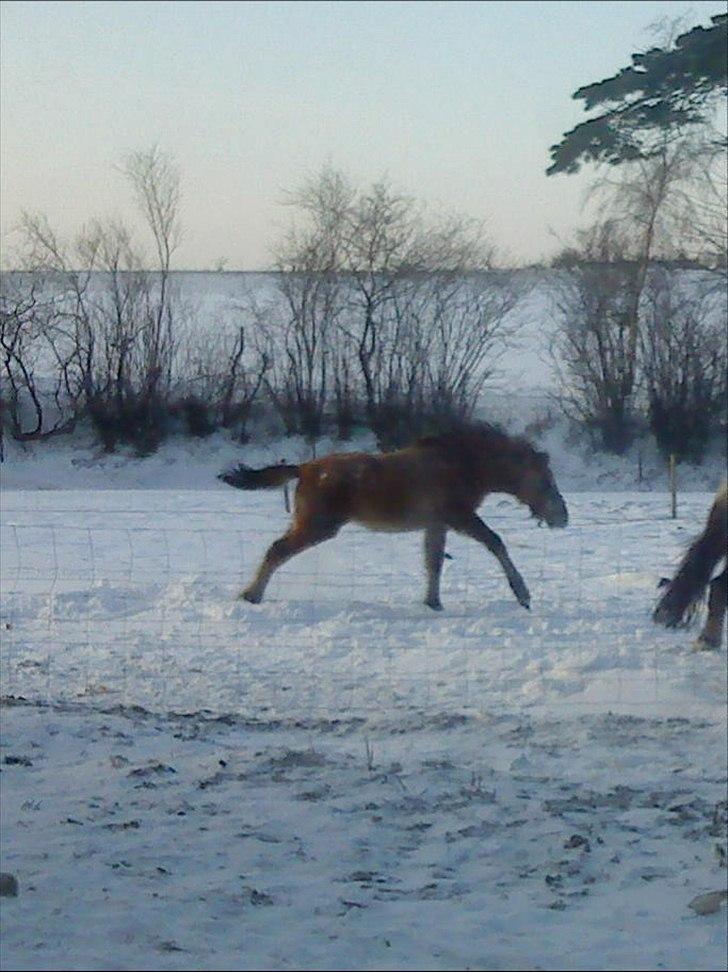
(484, 436)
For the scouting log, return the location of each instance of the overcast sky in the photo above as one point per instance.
(457, 103)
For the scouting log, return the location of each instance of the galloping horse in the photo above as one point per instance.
(687, 587)
(434, 485)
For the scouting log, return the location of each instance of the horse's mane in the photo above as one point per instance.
(462, 439)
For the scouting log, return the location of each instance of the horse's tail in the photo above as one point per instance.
(242, 477)
(693, 575)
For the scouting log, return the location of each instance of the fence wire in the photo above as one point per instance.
(139, 607)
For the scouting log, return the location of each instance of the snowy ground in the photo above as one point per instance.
(339, 778)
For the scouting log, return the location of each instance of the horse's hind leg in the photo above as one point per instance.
(434, 556)
(712, 634)
(297, 539)
(471, 525)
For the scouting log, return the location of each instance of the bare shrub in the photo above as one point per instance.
(664, 206)
(386, 307)
(220, 383)
(467, 332)
(31, 407)
(306, 338)
(114, 328)
(593, 350)
(684, 361)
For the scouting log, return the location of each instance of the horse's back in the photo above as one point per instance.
(403, 490)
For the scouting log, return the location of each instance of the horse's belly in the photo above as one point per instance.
(390, 506)
(383, 526)
(383, 523)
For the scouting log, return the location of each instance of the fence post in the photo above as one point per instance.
(673, 486)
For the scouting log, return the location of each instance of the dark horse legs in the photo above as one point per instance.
(301, 537)
(712, 633)
(471, 525)
(434, 556)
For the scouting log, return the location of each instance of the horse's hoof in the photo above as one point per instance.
(705, 644)
(435, 605)
(521, 592)
(251, 597)
(524, 598)
(665, 617)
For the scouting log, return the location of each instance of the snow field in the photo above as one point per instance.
(340, 778)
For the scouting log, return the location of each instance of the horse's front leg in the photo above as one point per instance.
(712, 634)
(471, 525)
(434, 556)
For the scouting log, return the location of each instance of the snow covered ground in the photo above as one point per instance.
(339, 778)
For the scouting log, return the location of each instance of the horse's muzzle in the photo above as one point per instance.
(557, 515)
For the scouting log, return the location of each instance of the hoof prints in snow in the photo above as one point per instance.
(302, 846)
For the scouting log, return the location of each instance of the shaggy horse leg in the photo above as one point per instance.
(471, 525)
(712, 634)
(434, 556)
(281, 550)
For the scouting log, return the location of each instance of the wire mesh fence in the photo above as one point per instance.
(134, 602)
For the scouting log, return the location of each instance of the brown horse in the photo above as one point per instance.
(434, 485)
(688, 585)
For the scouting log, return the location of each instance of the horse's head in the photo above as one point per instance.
(503, 463)
(538, 490)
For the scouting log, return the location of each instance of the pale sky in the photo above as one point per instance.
(457, 103)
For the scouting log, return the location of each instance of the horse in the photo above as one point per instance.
(433, 485)
(693, 576)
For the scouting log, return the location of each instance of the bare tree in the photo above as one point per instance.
(155, 180)
(593, 349)
(684, 361)
(306, 318)
(41, 350)
(649, 204)
(220, 381)
(399, 288)
(706, 222)
(468, 335)
(19, 337)
(658, 208)
(114, 336)
(103, 311)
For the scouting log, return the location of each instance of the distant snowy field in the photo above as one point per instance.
(339, 778)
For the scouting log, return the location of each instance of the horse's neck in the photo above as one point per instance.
(497, 478)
